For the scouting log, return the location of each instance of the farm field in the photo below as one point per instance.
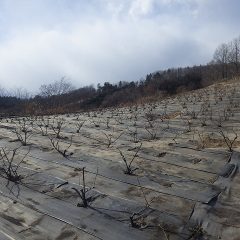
(165, 170)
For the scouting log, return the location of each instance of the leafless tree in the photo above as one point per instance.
(138, 219)
(9, 167)
(234, 56)
(84, 191)
(152, 133)
(57, 127)
(134, 134)
(23, 130)
(58, 146)
(221, 57)
(3, 92)
(202, 139)
(79, 125)
(128, 164)
(44, 125)
(229, 142)
(19, 93)
(59, 87)
(188, 121)
(110, 138)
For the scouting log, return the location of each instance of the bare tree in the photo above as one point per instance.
(64, 151)
(110, 138)
(234, 56)
(229, 142)
(128, 164)
(203, 139)
(9, 167)
(20, 93)
(221, 57)
(23, 131)
(134, 134)
(3, 92)
(84, 191)
(57, 127)
(152, 133)
(79, 125)
(59, 87)
(44, 125)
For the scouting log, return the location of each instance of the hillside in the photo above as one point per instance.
(164, 170)
(61, 97)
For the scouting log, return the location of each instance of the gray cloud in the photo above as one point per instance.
(103, 40)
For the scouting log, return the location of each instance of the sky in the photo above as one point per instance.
(97, 41)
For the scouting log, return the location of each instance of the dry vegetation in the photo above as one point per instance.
(165, 170)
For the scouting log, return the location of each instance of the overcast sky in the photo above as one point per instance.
(93, 41)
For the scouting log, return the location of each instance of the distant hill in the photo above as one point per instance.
(61, 97)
